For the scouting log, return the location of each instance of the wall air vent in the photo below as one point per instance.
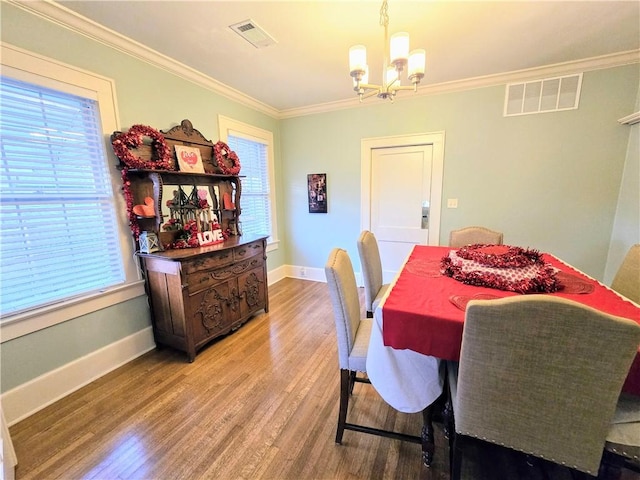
(253, 33)
(542, 96)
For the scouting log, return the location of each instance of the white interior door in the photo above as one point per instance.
(405, 186)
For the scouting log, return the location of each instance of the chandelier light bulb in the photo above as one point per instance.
(399, 48)
(416, 65)
(357, 59)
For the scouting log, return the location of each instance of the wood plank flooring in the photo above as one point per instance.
(261, 403)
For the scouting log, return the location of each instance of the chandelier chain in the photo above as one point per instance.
(384, 14)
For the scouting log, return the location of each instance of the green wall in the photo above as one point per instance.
(550, 181)
(626, 227)
(146, 95)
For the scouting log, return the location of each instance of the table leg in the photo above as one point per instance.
(428, 445)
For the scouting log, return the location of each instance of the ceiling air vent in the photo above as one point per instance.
(253, 33)
(541, 96)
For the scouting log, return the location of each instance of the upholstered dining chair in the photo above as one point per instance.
(540, 376)
(369, 253)
(472, 235)
(627, 279)
(353, 334)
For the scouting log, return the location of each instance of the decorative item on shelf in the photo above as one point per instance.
(147, 210)
(396, 58)
(172, 225)
(123, 143)
(187, 237)
(160, 159)
(128, 198)
(222, 154)
(189, 159)
(227, 203)
(149, 242)
(212, 236)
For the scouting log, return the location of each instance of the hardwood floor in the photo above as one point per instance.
(261, 403)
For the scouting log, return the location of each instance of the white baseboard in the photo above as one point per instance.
(313, 274)
(276, 275)
(28, 398)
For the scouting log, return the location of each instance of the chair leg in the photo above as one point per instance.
(611, 466)
(352, 381)
(345, 387)
(456, 458)
(428, 446)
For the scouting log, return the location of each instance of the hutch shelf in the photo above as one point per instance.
(196, 294)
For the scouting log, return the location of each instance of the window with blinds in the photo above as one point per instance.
(256, 198)
(59, 237)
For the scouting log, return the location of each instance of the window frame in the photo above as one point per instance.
(27, 66)
(228, 126)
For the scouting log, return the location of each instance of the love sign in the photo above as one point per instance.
(208, 238)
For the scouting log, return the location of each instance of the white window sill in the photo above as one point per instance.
(32, 321)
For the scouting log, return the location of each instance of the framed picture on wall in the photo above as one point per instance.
(317, 192)
(189, 159)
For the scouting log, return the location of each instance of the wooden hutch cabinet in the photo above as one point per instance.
(197, 294)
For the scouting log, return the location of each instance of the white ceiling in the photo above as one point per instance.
(309, 63)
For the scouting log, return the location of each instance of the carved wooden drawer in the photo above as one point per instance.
(198, 295)
(213, 260)
(203, 280)
(247, 251)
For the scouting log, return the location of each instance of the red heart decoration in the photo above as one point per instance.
(146, 210)
(189, 157)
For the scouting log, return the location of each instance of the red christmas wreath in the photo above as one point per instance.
(133, 139)
(221, 151)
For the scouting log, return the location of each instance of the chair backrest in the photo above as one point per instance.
(542, 375)
(371, 267)
(473, 235)
(627, 279)
(345, 301)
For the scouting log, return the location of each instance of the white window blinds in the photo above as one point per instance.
(58, 234)
(255, 199)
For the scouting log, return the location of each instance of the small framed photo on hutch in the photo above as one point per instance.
(189, 159)
(317, 192)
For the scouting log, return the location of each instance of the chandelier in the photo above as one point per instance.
(396, 59)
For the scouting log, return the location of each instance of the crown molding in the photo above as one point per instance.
(516, 76)
(70, 20)
(630, 119)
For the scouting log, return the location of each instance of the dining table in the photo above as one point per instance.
(417, 327)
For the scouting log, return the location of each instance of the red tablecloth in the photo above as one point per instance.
(419, 314)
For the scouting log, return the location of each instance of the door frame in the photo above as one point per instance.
(436, 140)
